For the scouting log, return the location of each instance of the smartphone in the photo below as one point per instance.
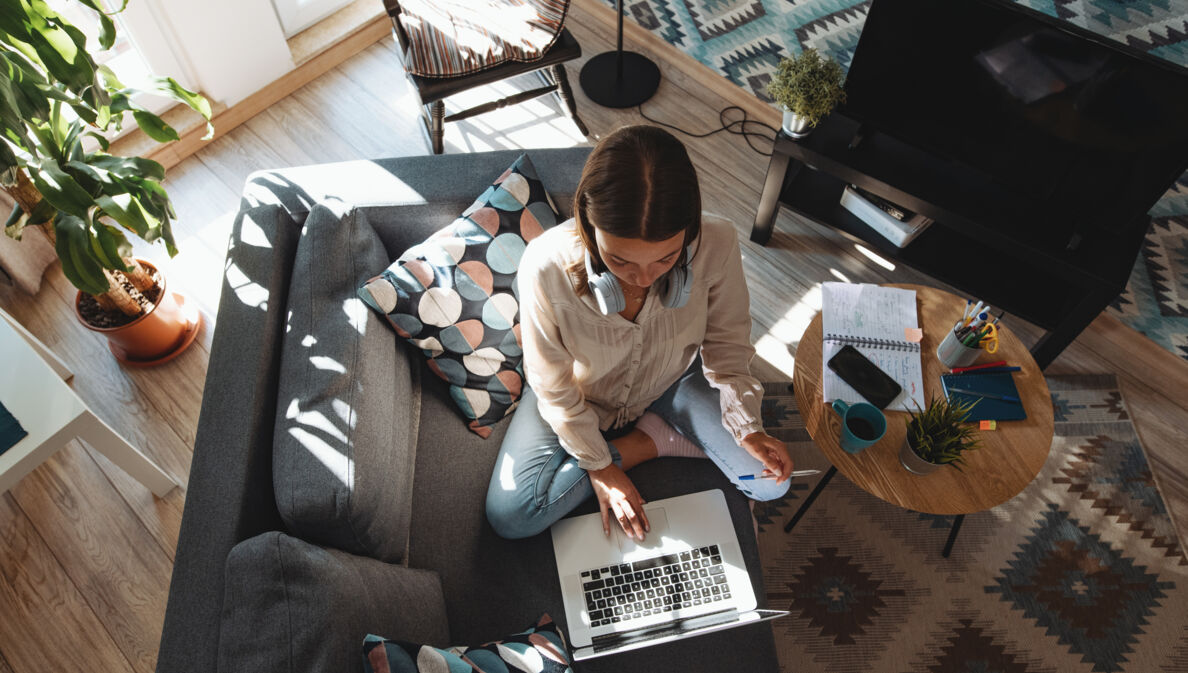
(864, 376)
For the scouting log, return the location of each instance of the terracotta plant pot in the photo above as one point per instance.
(912, 462)
(154, 338)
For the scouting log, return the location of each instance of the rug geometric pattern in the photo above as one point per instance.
(1080, 572)
(743, 40)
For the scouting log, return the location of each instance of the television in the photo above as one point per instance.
(1088, 132)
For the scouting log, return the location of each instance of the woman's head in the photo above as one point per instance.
(637, 205)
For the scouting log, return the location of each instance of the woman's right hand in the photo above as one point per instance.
(617, 497)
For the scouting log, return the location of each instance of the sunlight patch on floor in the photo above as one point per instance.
(875, 257)
(531, 124)
(773, 346)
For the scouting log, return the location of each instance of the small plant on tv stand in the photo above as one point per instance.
(809, 86)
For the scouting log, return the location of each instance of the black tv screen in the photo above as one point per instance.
(1089, 131)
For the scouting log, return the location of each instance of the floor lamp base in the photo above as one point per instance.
(640, 79)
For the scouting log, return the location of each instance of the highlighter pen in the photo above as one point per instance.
(795, 473)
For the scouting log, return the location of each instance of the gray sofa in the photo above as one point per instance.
(335, 491)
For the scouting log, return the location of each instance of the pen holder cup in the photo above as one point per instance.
(952, 353)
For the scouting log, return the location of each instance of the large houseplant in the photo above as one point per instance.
(938, 435)
(808, 86)
(56, 107)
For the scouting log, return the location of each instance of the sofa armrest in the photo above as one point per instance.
(229, 495)
(292, 607)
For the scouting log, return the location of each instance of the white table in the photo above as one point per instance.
(50, 411)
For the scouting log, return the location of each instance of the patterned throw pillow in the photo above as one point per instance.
(449, 39)
(540, 649)
(453, 295)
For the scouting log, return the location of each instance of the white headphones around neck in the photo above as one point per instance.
(675, 288)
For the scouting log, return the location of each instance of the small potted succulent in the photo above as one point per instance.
(56, 107)
(808, 86)
(938, 436)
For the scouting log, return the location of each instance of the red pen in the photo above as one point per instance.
(958, 370)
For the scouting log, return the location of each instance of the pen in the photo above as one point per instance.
(975, 312)
(795, 473)
(992, 396)
(999, 363)
(987, 370)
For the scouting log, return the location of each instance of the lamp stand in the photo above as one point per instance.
(619, 79)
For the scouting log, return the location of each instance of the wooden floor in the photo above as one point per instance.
(86, 553)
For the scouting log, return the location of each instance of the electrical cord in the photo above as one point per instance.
(727, 126)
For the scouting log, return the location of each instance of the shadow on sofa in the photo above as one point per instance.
(335, 491)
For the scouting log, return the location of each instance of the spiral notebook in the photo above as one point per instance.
(872, 319)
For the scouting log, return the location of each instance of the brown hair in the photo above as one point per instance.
(637, 183)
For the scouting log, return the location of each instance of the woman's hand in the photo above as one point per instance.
(617, 496)
(772, 453)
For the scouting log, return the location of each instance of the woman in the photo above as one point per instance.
(636, 328)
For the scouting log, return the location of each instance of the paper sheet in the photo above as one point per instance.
(872, 319)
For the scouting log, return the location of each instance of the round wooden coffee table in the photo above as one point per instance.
(1007, 461)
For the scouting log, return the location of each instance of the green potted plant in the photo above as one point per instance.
(808, 86)
(938, 436)
(56, 104)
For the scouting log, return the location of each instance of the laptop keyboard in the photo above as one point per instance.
(656, 585)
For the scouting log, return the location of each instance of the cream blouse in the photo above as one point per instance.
(594, 372)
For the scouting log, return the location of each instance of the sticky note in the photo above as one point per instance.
(913, 334)
(988, 425)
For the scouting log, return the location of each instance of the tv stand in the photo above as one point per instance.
(988, 243)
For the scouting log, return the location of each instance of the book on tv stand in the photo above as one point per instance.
(896, 224)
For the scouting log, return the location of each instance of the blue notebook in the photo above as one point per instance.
(987, 408)
(11, 431)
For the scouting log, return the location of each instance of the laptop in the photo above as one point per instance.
(686, 579)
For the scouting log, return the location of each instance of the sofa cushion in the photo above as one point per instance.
(537, 649)
(290, 606)
(347, 402)
(453, 295)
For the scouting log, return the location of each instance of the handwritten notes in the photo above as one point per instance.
(871, 318)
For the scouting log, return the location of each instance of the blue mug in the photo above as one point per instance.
(862, 424)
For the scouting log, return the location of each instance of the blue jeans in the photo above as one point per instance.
(536, 482)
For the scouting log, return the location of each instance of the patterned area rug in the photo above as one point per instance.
(745, 39)
(1081, 572)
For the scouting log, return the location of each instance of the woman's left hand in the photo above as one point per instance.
(772, 453)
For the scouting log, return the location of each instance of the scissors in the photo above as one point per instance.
(990, 340)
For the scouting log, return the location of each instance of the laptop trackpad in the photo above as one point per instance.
(653, 540)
